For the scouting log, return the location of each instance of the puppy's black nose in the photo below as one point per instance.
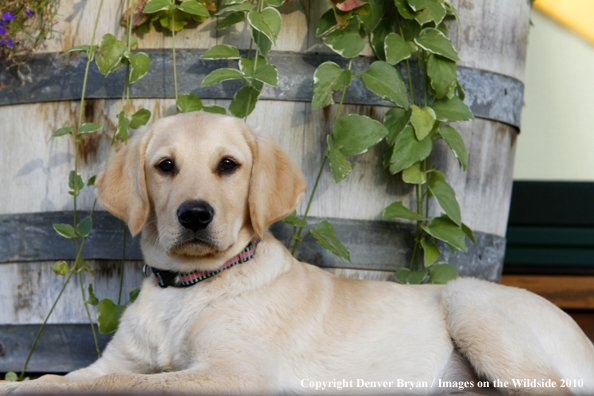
(195, 215)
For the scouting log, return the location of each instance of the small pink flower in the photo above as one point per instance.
(348, 5)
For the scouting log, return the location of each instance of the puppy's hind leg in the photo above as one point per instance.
(518, 340)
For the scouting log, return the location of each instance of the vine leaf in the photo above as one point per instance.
(406, 276)
(327, 23)
(434, 12)
(396, 120)
(110, 55)
(339, 165)
(446, 197)
(244, 101)
(216, 109)
(194, 8)
(370, 21)
(442, 75)
(262, 42)
(276, 3)
(89, 127)
(436, 42)
(140, 63)
(133, 295)
(74, 177)
(431, 252)
(246, 6)
(441, 273)
(189, 102)
(220, 75)
(84, 48)
(410, 31)
(434, 177)
(221, 51)
(456, 143)
(404, 9)
(133, 41)
(108, 316)
(408, 150)
(378, 37)
(396, 49)
(267, 22)
(398, 211)
(11, 377)
(63, 131)
(140, 118)
(92, 298)
(231, 19)
(422, 120)
(267, 74)
(66, 230)
(355, 134)
(452, 110)
(346, 42)
(327, 78)
(468, 232)
(418, 5)
(385, 81)
(325, 236)
(460, 90)
(60, 268)
(123, 127)
(165, 20)
(414, 175)
(294, 220)
(84, 227)
(446, 230)
(156, 5)
(247, 65)
(230, 2)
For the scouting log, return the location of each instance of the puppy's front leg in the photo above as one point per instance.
(187, 381)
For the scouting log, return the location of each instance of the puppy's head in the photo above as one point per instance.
(194, 182)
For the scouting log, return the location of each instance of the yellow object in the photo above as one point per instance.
(576, 15)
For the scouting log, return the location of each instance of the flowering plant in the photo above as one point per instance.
(24, 25)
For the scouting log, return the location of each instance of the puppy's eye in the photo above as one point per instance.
(227, 165)
(166, 166)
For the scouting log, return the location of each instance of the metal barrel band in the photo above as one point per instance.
(489, 95)
(374, 245)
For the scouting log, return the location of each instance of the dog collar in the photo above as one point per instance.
(167, 278)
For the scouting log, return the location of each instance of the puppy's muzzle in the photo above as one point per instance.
(195, 215)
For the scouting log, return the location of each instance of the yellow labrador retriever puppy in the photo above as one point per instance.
(227, 309)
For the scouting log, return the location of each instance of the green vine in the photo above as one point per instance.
(404, 30)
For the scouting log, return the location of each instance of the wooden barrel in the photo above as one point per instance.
(491, 43)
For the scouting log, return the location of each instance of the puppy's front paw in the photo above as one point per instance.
(7, 387)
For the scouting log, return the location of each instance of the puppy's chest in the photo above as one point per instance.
(173, 328)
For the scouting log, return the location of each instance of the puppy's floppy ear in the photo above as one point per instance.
(122, 185)
(276, 187)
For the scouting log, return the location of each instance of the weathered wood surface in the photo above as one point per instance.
(29, 290)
